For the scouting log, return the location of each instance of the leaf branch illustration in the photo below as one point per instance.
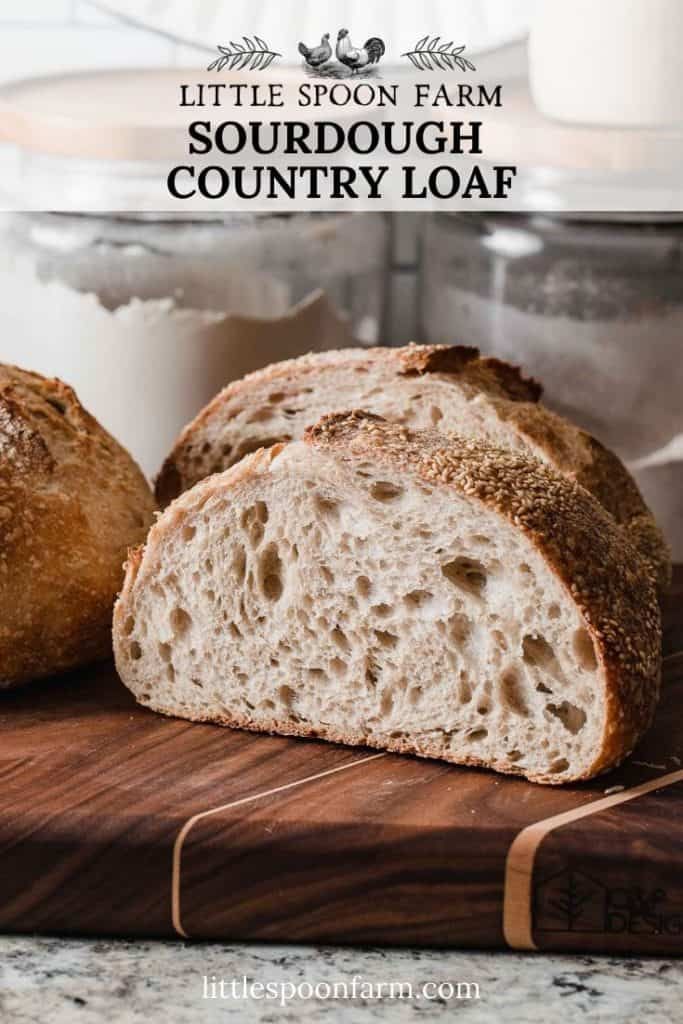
(572, 899)
(254, 55)
(430, 54)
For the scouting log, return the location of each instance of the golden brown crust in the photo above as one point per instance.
(71, 503)
(577, 537)
(514, 398)
(582, 458)
(513, 383)
(421, 359)
(490, 375)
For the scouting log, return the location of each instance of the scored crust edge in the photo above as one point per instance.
(516, 399)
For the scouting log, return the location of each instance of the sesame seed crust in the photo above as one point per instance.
(601, 571)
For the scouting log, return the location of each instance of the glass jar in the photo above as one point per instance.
(593, 308)
(148, 317)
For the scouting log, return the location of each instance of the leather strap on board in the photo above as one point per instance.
(519, 864)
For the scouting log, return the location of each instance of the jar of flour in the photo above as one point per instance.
(593, 307)
(148, 319)
(149, 315)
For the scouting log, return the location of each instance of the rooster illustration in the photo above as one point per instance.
(357, 59)
(316, 56)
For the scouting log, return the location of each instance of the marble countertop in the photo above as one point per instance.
(65, 981)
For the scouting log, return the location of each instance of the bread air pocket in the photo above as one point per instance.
(389, 587)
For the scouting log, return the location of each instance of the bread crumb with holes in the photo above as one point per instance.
(384, 586)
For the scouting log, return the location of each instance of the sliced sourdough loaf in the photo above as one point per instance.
(449, 388)
(396, 588)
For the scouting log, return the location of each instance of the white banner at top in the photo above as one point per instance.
(375, 106)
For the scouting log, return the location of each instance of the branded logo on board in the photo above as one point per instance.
(572, 901)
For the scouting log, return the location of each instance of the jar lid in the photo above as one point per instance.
(98, 115)
(104, 115)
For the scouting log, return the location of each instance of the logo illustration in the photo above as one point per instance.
(346, 60)
(317, 56)
(572, 901)
(428, 55)
(253, 55)
(350, 59)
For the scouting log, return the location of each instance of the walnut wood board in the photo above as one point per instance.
(117, 821)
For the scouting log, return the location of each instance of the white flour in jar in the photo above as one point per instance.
(146, 368)
(149, 319)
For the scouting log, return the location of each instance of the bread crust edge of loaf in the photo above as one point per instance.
(70, 624)
(599, 470)
(625, 724)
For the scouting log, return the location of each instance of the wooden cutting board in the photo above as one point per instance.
(117, 821)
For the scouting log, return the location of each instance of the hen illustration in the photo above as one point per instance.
(358, 58)
(316, 56)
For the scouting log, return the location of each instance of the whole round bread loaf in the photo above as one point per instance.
(72, 501)
(445, 387)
